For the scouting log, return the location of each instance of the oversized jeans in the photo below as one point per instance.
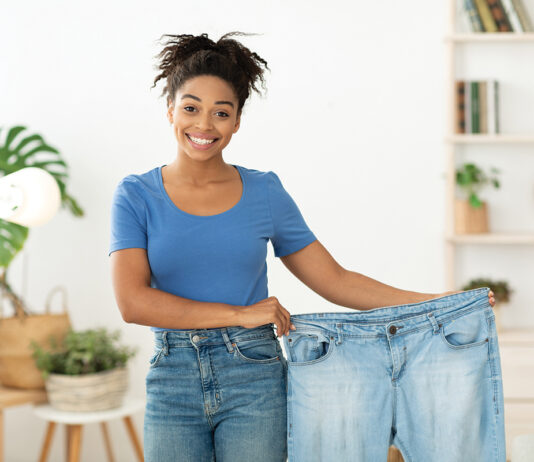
(216, 394)
(425, 377)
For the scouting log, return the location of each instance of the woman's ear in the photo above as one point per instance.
(170, 111)
(237, 123)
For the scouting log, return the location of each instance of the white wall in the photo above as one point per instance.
(353, 123)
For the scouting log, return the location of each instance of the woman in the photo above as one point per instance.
(188, 249)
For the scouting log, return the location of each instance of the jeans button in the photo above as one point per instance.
(392, 330)
(195, 338)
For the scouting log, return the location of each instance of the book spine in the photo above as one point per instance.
(460, 106)
(499, 15)
(490, 97)
(468, 108)
(524, 18)
(474, 17)
(483, 106)
(512, 15)
(497, 108)
(486, 16)
(475, 108)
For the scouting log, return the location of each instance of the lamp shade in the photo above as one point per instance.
(29, 197)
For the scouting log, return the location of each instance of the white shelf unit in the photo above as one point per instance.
(452, 140)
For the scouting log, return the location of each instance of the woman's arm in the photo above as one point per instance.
(316, 268)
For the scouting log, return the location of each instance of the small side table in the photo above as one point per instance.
(16, 397)
(75, 420)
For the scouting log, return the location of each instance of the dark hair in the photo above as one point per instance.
(186, 56)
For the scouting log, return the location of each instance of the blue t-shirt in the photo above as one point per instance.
(215, 258)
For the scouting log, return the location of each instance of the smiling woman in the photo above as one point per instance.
(188, 253)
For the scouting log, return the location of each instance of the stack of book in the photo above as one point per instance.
(497, 16)
(477, 106)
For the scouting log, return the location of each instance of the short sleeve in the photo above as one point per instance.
(128, 217)
(290, 231)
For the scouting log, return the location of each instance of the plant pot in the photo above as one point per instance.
(468, 219)
(87, 392)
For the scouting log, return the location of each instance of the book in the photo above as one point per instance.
(499, 15)
(524, 19)
(485, 15)
(497, 107)
(468, 108)
(475, 109)
(474, 17)
(490, 97)
(460, 106)
(483, 106)
(512, 15)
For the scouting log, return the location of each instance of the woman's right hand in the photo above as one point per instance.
(268, 310)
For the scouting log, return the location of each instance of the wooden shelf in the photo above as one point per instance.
(491, 37)
(485, 138)
(493, 238)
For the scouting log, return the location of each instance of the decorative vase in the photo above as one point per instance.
(468, 219)
(88, 392)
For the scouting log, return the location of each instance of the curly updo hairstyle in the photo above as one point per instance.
(186, 56)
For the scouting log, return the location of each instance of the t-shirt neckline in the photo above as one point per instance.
(182, 212)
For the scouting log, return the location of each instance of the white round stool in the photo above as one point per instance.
(75, 420)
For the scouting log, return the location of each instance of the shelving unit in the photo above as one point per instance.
(452, 140)
(516, 345)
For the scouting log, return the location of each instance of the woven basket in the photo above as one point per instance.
(88, 392)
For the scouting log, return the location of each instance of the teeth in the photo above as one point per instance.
(201, 140)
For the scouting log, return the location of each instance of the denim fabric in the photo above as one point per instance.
(216, 394)
(425, 377)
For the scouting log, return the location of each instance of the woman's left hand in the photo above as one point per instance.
(490, 295)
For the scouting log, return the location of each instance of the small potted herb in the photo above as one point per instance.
(471, 214)
(501, 293)
(86, 372)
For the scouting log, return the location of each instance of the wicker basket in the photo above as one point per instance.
(87, 392)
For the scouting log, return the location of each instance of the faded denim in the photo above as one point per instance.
(425, 377)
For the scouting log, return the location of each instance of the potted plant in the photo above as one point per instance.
(501, 293)
(86, 372)
(471, 214)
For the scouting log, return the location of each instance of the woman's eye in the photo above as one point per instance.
(191, 107)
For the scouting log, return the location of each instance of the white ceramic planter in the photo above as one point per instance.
(88, 392)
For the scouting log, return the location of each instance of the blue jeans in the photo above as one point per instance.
(216, 394)
(425, 377)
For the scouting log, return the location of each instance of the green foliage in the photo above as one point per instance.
(12, 159)
(82, 352)
(500, 289)
(472, 179)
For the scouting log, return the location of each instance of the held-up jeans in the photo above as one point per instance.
(425, 377)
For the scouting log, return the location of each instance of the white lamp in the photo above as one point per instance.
(29, 197)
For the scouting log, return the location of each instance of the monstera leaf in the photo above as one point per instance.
(12, 158)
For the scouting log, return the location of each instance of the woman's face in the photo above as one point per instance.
(204, 108)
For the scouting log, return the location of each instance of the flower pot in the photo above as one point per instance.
(87, 392)
(468, 219)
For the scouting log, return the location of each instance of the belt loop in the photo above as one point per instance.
(433, 321)
(339, 335)
(229, 346)
(165, 343)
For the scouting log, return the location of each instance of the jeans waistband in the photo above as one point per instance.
(404, 317)
(211, 336)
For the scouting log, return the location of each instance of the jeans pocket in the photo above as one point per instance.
(465, 331)
(156, 357)
(306, 347)
(260, 351)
